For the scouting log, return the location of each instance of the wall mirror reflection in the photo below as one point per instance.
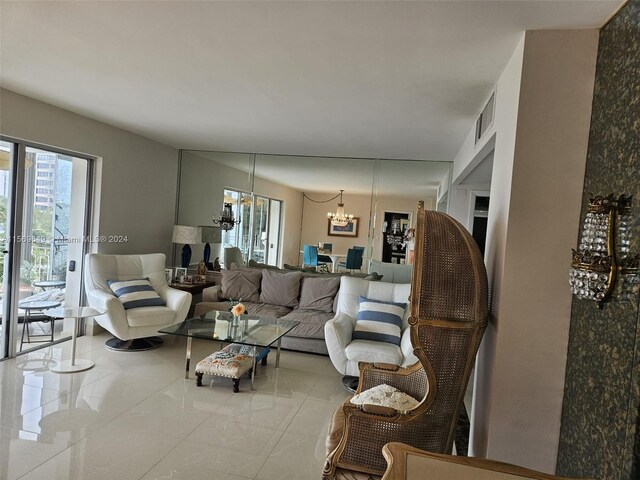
(286, 207)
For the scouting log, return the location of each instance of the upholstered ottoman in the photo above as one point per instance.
(232, 361)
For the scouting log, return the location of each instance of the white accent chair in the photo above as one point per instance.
(392, 272)
(232, 255)
(134, 329)
(344, 352)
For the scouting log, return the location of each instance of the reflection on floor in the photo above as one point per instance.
(134, 416)
(39, 333)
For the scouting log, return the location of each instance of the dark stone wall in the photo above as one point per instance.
(599, 436)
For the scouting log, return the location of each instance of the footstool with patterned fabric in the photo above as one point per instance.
(232, 361)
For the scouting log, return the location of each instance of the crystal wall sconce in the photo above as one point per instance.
(603, 268)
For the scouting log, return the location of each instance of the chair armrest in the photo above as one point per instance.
(370, 422)
(105, 301)
(340, 329)
(115, 319)
(337, 335)
(211, 294)
(177, 300)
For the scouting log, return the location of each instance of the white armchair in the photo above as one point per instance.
(344, 352)
(134, 329)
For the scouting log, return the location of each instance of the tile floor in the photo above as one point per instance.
(134, 416)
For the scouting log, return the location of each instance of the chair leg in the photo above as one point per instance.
(24, 326)
(236, 385)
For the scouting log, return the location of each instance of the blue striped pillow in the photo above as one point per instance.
(135, 293)
(379, 321)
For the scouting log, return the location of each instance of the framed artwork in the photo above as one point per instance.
(200, 279)
(168, 273)
(180, 272)
(349, 230)
(188, 279)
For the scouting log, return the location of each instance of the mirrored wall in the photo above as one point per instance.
(280, 203)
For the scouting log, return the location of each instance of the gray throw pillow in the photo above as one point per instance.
(280, 288)
(241, 285)
(317, 293)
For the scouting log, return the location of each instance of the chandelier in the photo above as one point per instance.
(226, 219)
(339, 218)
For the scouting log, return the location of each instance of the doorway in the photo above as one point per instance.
(478, 220)
(43, 223)
(394, 228)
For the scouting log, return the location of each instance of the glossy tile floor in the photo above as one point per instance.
(134, 416)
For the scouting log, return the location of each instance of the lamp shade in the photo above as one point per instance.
(186, 234)
(210, 235)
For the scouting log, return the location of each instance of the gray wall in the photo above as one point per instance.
(599, 435)
(138, 175)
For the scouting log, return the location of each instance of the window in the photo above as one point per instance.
(257, 235)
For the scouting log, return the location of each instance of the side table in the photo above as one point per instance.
(192, 288)
(44, 284)
(195, 289)
(28, 307)
(77, 313)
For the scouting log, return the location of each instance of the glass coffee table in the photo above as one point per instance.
(219, 326)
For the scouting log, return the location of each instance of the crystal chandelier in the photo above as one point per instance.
(602, 266)
(339, 218)
(226, 219)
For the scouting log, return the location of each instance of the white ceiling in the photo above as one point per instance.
(365, 79)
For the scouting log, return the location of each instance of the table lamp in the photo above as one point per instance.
(186, 235)
(210, 235)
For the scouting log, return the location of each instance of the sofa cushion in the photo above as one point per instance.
(241, 285)
(311, 323)
(266, 310)
(150, 316)
(318, 293)
(135, 293)
(379, 321)
(372, 351)
(280, 288)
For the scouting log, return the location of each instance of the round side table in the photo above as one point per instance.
(77, 313)
(44, 284)
(29, 306)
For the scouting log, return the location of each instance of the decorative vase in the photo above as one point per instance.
(207, 253)
(186, 255)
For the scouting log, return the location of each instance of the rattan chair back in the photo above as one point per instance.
(448, 317)
(449, 313)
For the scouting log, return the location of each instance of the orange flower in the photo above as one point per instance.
(238, 309)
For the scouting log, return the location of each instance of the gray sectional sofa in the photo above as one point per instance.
(308, 298)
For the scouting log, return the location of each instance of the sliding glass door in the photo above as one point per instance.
(257, 234)
(43, 217)
(266, 230)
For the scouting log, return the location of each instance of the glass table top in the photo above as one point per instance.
(247, 330)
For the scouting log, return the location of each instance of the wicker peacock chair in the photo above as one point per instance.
(448, 318)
